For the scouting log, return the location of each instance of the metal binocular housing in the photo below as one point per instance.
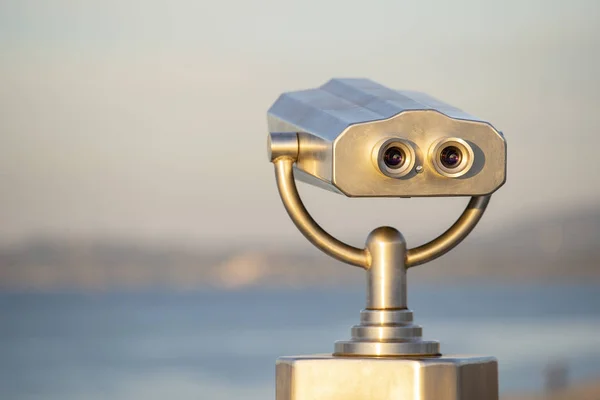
(361, 139)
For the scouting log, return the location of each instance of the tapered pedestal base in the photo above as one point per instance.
(324, 377)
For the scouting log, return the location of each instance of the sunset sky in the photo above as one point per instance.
(147, 119)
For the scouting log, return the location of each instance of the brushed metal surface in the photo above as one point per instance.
(340, 125)
(384, 317)
(386, 276)
(386, 259)
(381, 348)
(333, 137)
(452, 236)
(323, 377)
(282, 145)
(392, 332)
(388, 332)
(284, 174)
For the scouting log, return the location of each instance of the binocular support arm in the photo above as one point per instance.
(452, 237)
(288, 191)
(286, 184)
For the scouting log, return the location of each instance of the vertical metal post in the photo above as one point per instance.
(386, 276)
(386, 324)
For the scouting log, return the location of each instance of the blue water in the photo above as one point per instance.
(223, 345)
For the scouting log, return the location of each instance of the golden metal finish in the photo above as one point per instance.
(307, 225)
(340, 142)
(336, 137)
(340, 123)
(320, 377)
(386, 260)
(386, 279)
(465, 164)
(288, 191)
(409, 162)
(452, 237)
(386, 327)
(282, 144)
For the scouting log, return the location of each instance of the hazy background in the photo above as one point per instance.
(133, 165)
(147, 120)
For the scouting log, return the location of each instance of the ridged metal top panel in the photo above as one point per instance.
(327, 111)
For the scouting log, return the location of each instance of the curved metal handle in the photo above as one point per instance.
(452, 237)
(288, 191)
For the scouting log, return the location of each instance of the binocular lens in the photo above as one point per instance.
(450, 157)
(394, 157)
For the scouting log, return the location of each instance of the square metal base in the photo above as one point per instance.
(324, 377)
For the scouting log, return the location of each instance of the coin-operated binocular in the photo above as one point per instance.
(361, 139)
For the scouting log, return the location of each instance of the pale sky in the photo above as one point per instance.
(146, 119)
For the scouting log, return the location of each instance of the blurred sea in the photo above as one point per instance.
(223, 345)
